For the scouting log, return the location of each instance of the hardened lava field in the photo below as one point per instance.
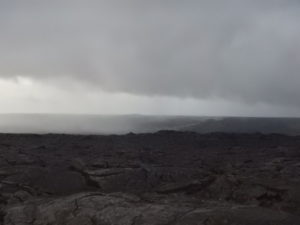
(168, 177)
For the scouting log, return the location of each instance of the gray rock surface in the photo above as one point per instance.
(163, 178)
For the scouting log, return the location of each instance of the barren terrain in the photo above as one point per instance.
(163, 178)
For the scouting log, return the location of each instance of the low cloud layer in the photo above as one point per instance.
(245, 51)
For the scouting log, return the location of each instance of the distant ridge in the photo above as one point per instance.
(289, 126)
(122, 124)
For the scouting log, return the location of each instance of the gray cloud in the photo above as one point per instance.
(238, 50)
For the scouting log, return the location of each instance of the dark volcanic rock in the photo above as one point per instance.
(162, 178)
(98, 208)
(61, 182)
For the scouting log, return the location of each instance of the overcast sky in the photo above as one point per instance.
(197, 57)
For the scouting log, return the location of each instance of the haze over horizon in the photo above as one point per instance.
(206, 58)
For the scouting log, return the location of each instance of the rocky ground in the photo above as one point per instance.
(164, 178)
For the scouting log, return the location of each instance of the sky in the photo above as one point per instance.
(192, 57)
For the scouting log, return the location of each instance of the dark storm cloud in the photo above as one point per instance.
(238, 50)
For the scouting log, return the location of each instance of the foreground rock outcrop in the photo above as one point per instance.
(162, 178)
(98, 208)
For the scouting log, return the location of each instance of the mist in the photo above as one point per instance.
(91, 124)
(137, 124)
